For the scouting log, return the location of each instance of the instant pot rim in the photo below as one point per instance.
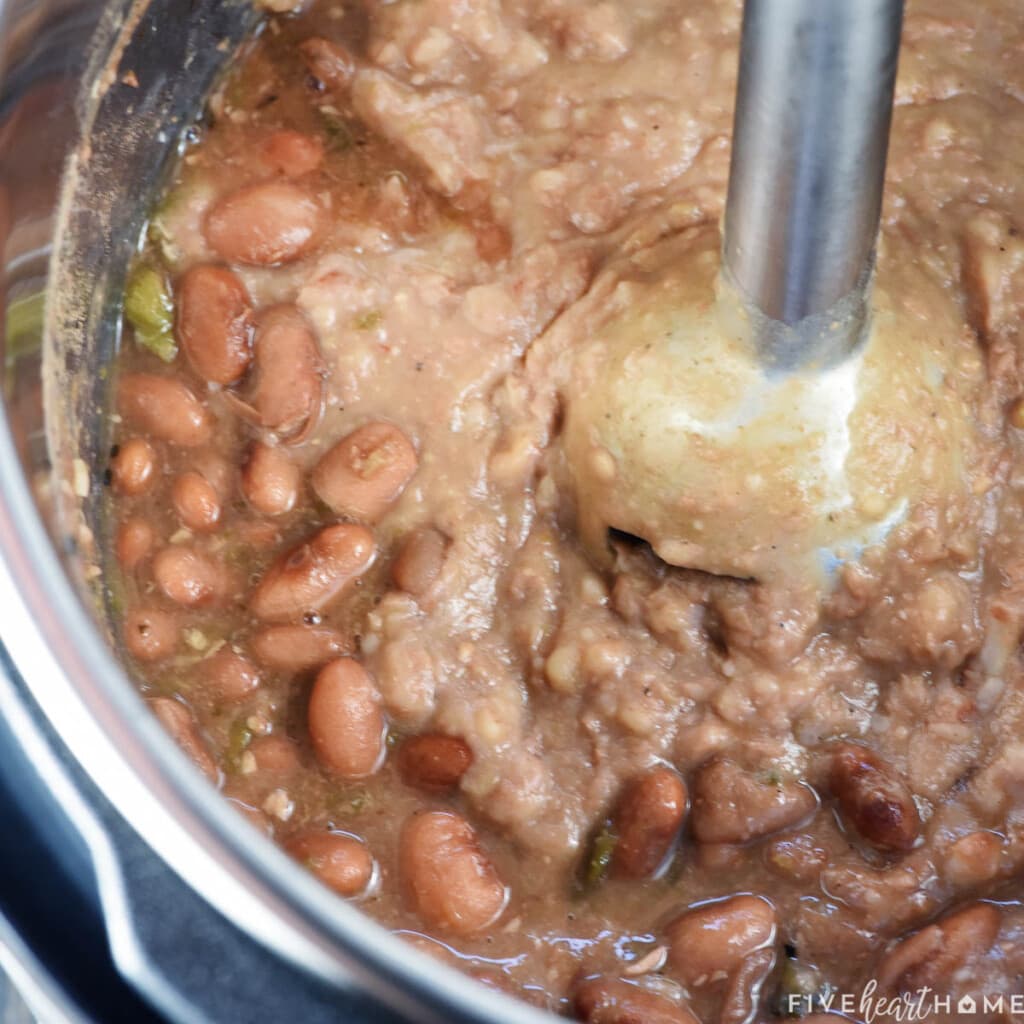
(87, 696)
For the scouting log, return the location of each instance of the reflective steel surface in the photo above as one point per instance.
(69, 243)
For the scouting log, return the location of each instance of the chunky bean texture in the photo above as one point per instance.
(343, 556)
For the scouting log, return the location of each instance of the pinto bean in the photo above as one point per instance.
(133, 469)
(270, 480)
(150, 634)
(196, 502)
(274, 754)
(711, 941)
(419, 561)
(188, 577)
(874, 798)
(215, 323)
(134, 542)
(217, 470)
(346, 720)
(229, 677)
(341, 861)
(297, 648)
(648, 819)
(178, 721)
(605, 1000)
(447, 878)
(731, 805)
(265, 224)
(937, 952)
(164, 407)
(365, 472)
(289, 374)
(434, 762)
(743, 989)
(311, 576)
(292, 153)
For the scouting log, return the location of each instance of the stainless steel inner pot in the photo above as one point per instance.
(94, 99)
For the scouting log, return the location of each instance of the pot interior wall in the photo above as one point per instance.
(151, 66)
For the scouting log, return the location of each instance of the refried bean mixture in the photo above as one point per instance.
(347, 569)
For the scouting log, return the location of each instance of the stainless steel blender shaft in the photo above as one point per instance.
(813, 110)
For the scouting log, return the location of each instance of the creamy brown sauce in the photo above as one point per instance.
(452, 179)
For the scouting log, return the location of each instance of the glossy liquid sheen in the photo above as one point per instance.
(345, 543)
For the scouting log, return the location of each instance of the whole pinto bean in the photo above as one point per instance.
(229, 677)
(135, 541)
(419, 561)
(164, 407)
(434, 762)
(297, 648)
(150, 634)
(604, 1000)
(446, 876)
(270, 480)
(648, 819)
(732, 805)
(341, 861)
(935, 953)
(289, 378)
(265, 224)
(874, 798)
(196, 501)
(188, 577)
(133, 470)
(178, 721)
(215, 323)
(346, 720)
(308, 578)
(711, 941)
(365, 472)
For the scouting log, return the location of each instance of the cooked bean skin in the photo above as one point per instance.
(346, 720)
(134, 542)
(265, 224)
(289, 373)
(188, 577)
(229, 677)
(297, 648)
(311, 576)
(340, 861)
(365, 472)
(710, 941)
(165, 408)
(605, 1000)
(419, 561)
(215, 323)
(648, 820)
(178, 721)
(133, 469)
(873, 798)
(934, 954)
(150, 634)
(196, 502)
(292, 153)
(731, 805)
(446, 876)
(270, 480)
(274, 754)
(743, 988)
(434, 762)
